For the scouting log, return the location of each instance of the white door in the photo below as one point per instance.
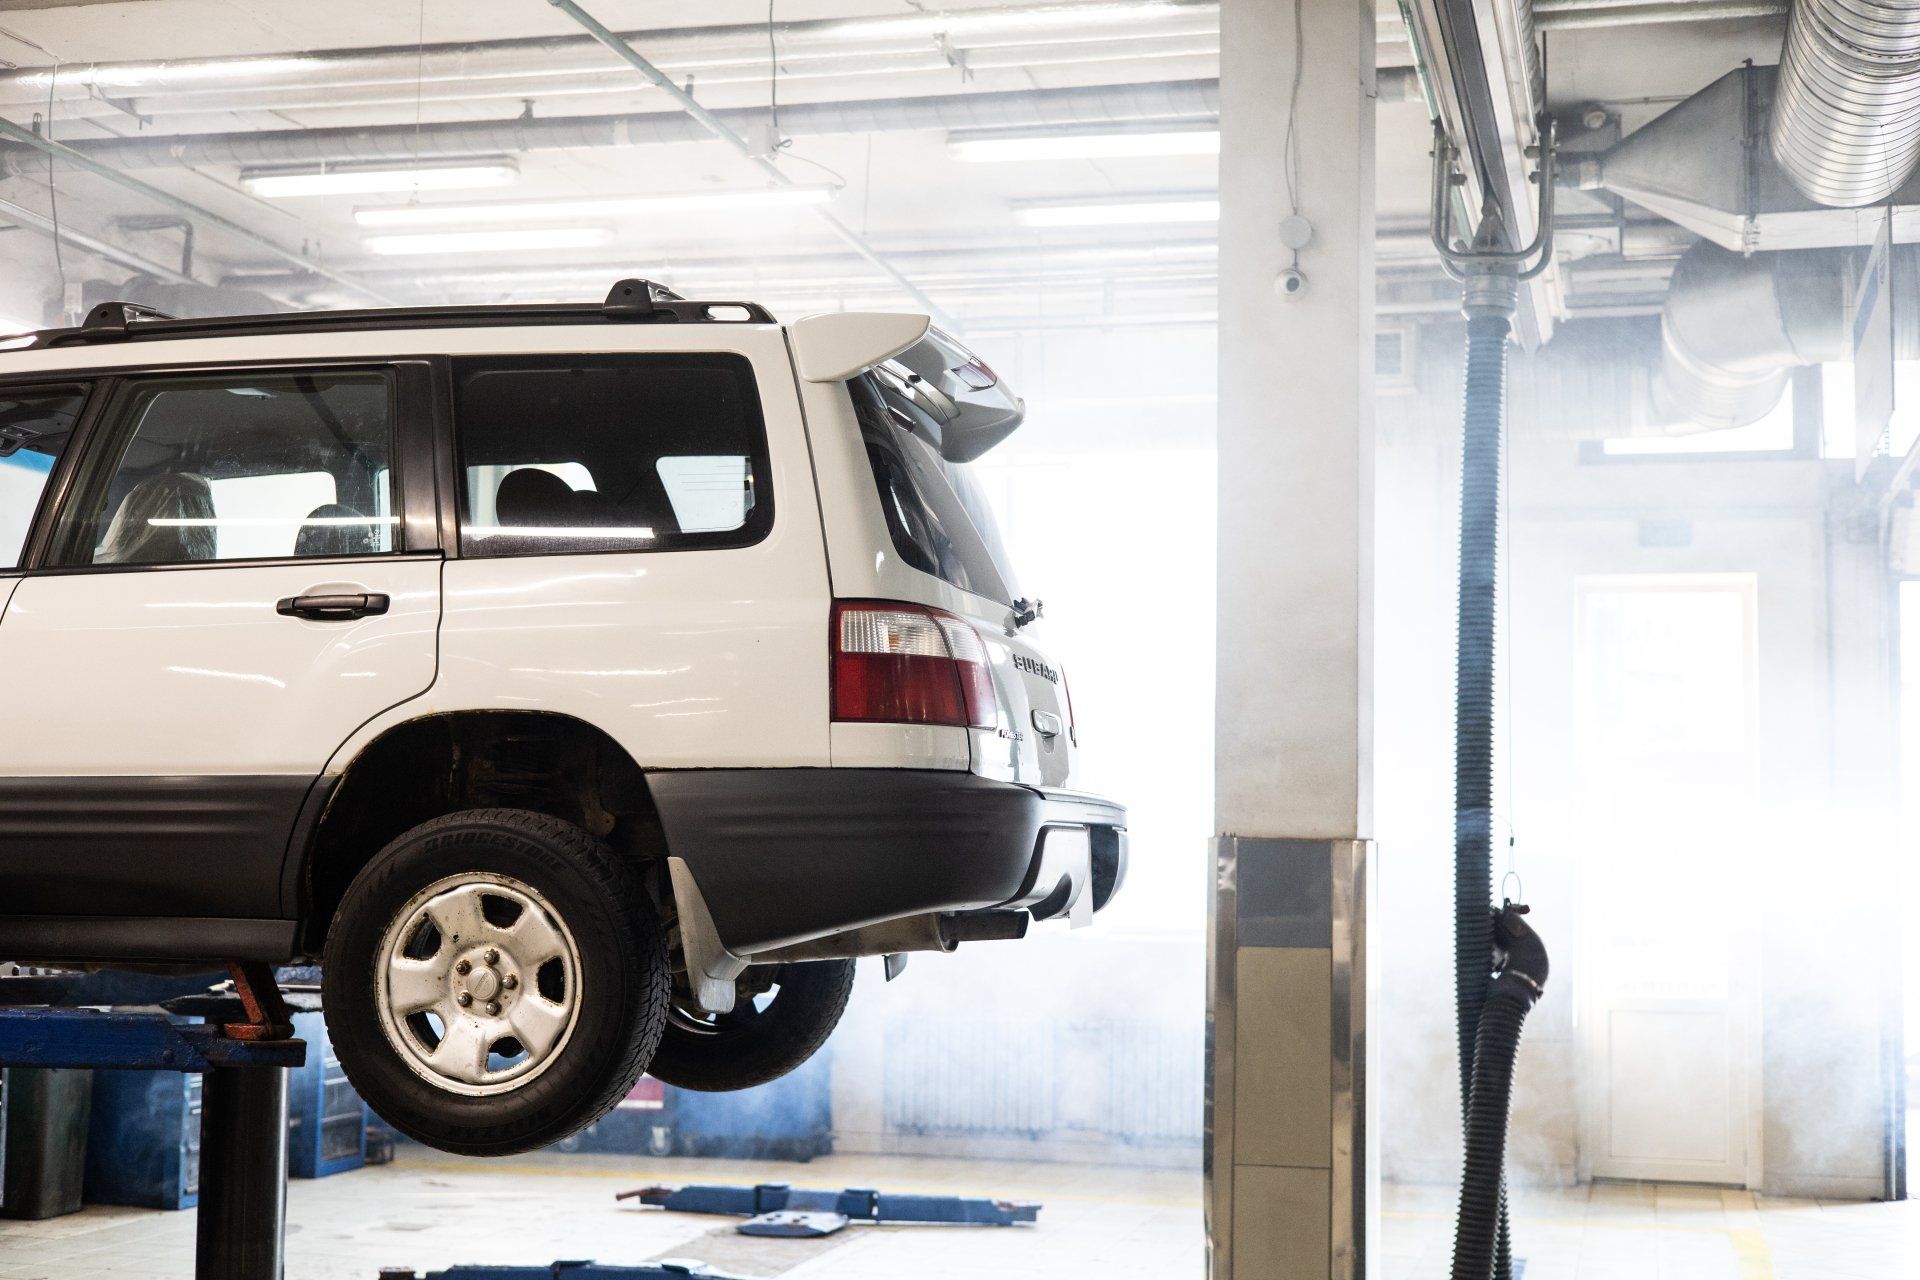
(224, 601)
(1666, 706)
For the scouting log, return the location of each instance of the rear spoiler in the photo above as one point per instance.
(836, 346)
(970, 409)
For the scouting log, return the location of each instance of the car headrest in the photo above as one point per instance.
(334, 529)
(530, 497)
(144, 529)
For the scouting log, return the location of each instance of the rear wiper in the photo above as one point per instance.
(1025, 611)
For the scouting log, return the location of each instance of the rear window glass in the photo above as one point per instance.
(34, 427)
(936, 514)
(619, 453)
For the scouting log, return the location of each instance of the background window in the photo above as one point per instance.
(262, 467)
(34, 427)
(627, 453)
(708, 491)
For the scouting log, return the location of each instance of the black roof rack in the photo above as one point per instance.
(629, 301)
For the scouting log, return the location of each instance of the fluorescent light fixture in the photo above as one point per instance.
(354, 180)
(1110, 145)
(489, 241)
(1111, 213)
(414, 215)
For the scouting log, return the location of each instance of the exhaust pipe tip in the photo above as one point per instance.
(984, 926)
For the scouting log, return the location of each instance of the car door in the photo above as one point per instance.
(243, 568)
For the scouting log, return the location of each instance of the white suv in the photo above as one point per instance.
(586, 685)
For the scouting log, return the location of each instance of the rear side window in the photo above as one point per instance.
(34, 428)
(651, 452)
(249, 466)
(936, 515)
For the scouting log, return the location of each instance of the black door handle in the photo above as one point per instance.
(330, 608)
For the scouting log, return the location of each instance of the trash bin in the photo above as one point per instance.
(46, 1141)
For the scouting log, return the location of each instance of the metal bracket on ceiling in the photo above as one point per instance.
(123, 105)
(1527, 262)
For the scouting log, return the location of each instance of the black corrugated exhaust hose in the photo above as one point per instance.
(1483, 419)
(1521, 975)
(1473, 679)
(1490, 298)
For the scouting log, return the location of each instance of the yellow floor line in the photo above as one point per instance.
(1756, 1259)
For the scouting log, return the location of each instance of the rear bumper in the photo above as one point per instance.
(782, 855)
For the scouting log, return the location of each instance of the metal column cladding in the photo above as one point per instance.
(1288, 1150)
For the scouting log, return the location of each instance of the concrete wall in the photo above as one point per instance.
(1819, 835)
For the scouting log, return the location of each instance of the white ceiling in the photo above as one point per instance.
(948, 224)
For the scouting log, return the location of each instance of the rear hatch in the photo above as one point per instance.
(925, 416)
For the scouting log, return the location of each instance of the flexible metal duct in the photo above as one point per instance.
(1735, 327)
(1184, 100)
(1846, 111)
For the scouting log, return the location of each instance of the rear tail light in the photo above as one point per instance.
(905, 664)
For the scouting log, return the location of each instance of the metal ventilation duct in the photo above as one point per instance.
(1698, 165)
(1846, 112)
(1735, 327)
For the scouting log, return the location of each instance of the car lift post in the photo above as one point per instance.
(241, 1229)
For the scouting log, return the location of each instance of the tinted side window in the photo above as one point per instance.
(34, 428)
(938, 520)
(610, 453)
(239, 467)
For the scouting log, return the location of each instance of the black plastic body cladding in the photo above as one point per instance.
(786, 854)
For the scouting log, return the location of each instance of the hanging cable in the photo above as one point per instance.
(53, 198)
(773, 79)
(53, 186)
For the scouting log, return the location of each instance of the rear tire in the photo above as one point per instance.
(759, 1041)
(495, 980)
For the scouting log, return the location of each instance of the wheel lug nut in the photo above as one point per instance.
(493, 1008)
(511, 981)
(464, 999)
(492, 957)
(464, 966)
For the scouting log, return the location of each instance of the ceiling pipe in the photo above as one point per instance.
(1014, 260)
(732, 83)
(679, 50)
(1846, 108)
(761, 158)
(1594, 15)
(1179, 101)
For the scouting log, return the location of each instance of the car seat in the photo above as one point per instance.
(133, 537)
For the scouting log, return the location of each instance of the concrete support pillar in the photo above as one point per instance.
(1287, 1165)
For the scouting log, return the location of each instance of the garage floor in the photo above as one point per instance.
(427, 1210)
